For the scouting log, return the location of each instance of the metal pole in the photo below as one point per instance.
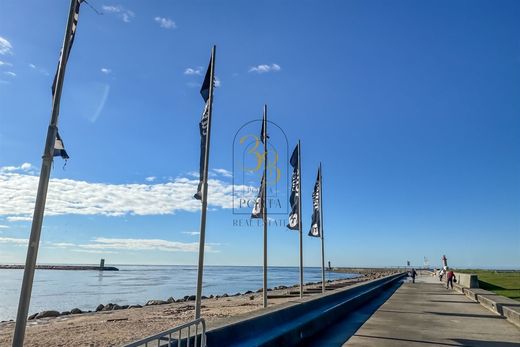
(43, 184)
(202, 240)
(300, 216)
(322, 242)
(264, 215)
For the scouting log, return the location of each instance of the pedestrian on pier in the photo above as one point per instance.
(450, 277)
(413, 273)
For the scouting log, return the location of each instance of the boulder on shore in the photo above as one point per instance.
(155, 302)
(100, 307)
(31, 317)
(46, 314)
(65, 313)
(76, 311)
(135, 306)
(108, 307)
(171, 300)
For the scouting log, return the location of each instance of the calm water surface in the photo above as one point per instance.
(64, 290)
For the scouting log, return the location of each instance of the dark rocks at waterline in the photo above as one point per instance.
(33, 316)
(190, 298)
(47, 314)
(108, 307)
(135, 306)
(65, 313)
(76, 311)
(155, 302)
(171, 300)
(100, 307)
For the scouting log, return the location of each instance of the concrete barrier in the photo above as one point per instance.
(467, 280)
(290, 323)
(502, 306)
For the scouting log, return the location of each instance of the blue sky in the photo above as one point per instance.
(411, 106)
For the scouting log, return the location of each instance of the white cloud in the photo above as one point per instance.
(19, 218)
(10, 73)
(14, 240)
(166, 23)
(66, 196)
(124, 14)
(265, 68)
(192, 233)
(5, 47)
(193, 71)
(4, 226)
(106, 71)
(23, 167)
(150, 178)
(39, 69)
(223, 172)
(4, 63)
(102, 243)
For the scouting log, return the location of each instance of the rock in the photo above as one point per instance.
(65, 313)
(116, 307)
(260, 290)
(248, 292)
(108, 307)
(225, 295)
(155, 302)
(31, 317)
(211, 296)
(76, 311)
(192, 298)
(282, 287)
(252, 297)
(100, 307)
(135, 306)
(171, 299)
(124, 307)
(186, 298)
(203, 297)
(45, 314)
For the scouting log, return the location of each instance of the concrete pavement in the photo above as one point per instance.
(426, 313)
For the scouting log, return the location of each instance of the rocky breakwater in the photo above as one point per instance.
(61, 267)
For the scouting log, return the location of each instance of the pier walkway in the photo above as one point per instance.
(427, 314)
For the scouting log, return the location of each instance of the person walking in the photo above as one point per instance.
(413, 273)
(450, 278)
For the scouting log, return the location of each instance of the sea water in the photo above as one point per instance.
(63, 290)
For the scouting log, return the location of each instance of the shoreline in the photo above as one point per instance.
(62, 267)
(116, 326)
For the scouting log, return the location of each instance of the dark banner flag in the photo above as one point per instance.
(203, 127)
(316, 223)
(72, 34)
(295, 194)
(258, 209)
(59, 148)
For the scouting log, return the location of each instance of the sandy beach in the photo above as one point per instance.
(114, 328)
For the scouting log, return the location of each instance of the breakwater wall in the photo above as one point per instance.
(293, 322)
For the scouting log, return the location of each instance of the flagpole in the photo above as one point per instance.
(322, 242)
(300, 216)
(264, 204)
(43, 184)
(202, 240)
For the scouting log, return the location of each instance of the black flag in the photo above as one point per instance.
(295, 194)
(72, 34)
(263, 131)
(203, 128)
(316, 222)
(258, 209)
(59, 148)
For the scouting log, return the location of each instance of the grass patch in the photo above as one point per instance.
(505, 283)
